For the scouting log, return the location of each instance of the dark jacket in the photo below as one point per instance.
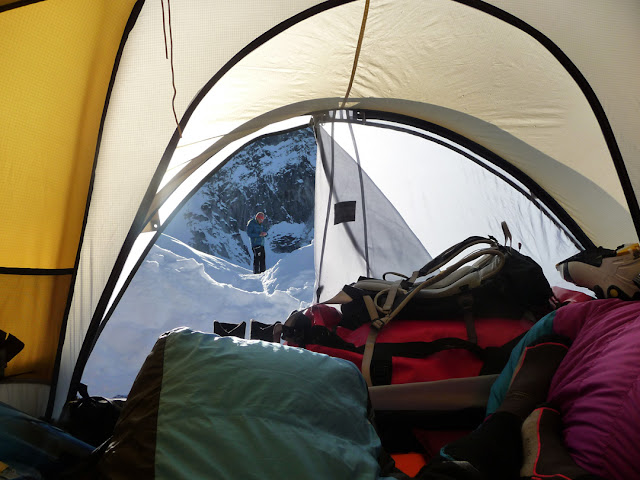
(253, 230)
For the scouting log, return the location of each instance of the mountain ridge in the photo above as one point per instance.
(274, 174)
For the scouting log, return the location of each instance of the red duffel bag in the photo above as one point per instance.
(408, 351)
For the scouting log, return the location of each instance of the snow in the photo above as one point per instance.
(179, 286)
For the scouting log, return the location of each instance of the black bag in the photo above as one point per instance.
(91, 419)
(267, 332)
(501, 282)
(10, 346)
(229, 329)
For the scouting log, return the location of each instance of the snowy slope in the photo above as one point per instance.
(179, 286)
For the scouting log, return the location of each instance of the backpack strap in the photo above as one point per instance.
(370, 344)
(380, 322)
(367, 356)
(452, 252)
(466, 302)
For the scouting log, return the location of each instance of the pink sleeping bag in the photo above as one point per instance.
(597, 386)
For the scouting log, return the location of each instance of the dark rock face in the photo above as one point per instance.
(275, 175)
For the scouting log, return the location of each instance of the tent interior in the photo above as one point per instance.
(435, 120)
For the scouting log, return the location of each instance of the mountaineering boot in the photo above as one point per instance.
(544, 453)
(532, 376)
(608, 273)
(495, 448)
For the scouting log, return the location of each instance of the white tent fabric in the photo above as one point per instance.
(139, 126)
(415, 194)
(358, 228)
(455, 66)
(440, 61)
(551, 87)
(602, 40)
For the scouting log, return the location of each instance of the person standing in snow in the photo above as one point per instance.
(257, 231)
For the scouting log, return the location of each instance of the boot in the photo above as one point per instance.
(495, 448)
(532, 376)
(544, 453)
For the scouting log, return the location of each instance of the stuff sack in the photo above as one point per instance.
(205, 406)
(596, 387)
(406, 350)
(91, 418)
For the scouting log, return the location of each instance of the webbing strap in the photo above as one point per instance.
(472, 336)
(452, 252)
(371, 340)
(414, 276)
(368, 355)
(371, 307)
(391, 297)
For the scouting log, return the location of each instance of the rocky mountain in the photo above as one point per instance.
(273, 174)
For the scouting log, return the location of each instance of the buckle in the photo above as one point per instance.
(378, 323)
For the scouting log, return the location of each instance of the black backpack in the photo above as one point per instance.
(500, 282)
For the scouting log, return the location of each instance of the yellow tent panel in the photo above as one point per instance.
(60, 56)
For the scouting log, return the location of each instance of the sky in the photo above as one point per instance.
(178, 285)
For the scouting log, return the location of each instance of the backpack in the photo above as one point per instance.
(501, 282)
(483, 288)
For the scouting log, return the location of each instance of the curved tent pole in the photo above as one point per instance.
(144, 214)
(589, 93)
(133, 17)
(326, 168)
(162, 227)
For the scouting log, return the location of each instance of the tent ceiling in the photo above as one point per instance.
(602, 40)
(446, 63)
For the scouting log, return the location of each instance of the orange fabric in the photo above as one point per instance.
(409, 463)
